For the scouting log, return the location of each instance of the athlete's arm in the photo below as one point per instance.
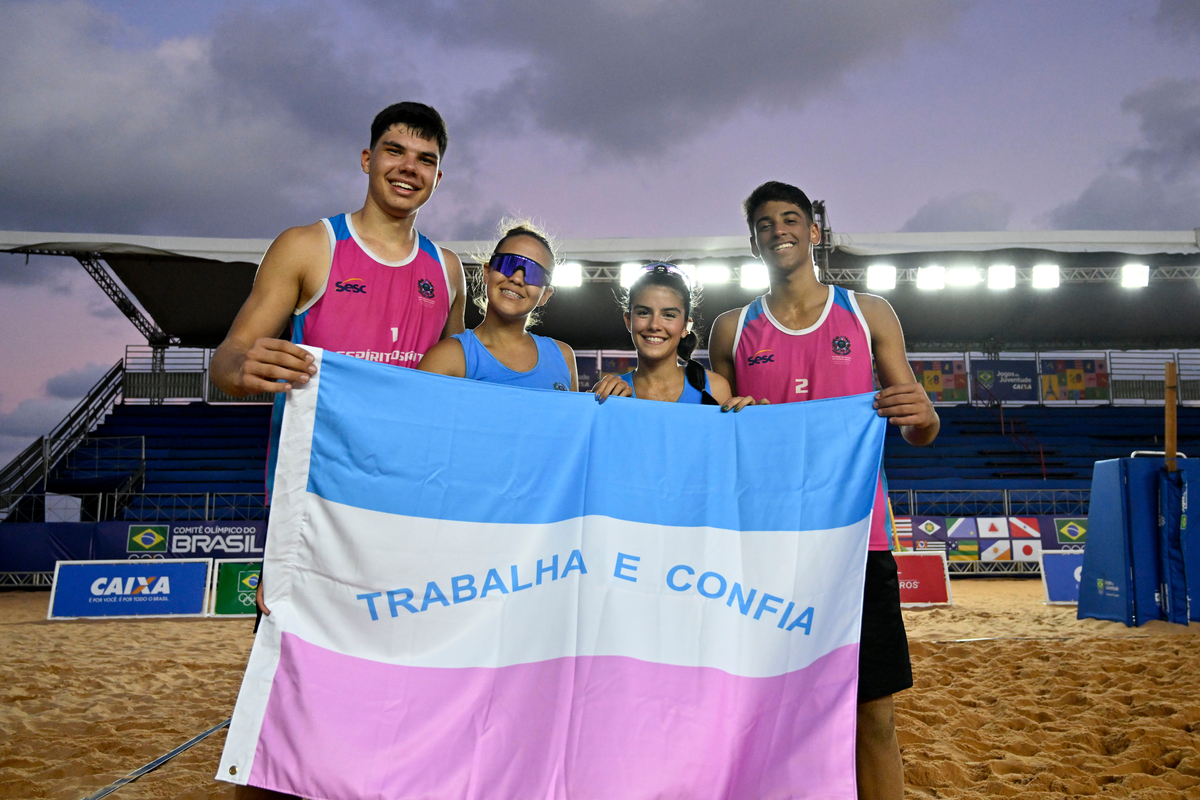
(902, 400)
(720, 347)
(455, 323)
(252, 358)
(569, 355)
(445, 358)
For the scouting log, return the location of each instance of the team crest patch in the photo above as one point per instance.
(425, 288)
(841, 346)
(559, 387)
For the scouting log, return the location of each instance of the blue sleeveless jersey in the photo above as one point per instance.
(690, 393)
(551, 371)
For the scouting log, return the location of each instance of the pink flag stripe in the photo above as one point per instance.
(579, 727)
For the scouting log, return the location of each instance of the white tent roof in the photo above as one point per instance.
(615, 251)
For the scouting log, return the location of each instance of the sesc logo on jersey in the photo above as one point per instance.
(354, 285)
(761, 357)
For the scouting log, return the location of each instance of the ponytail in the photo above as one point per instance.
(693, 370)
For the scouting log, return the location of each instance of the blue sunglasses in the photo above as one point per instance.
(509, 263)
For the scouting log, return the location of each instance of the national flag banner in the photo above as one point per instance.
(904, 537)
(963, 549)
(930, 526)
(961, 528)
(1024, 528)
(1027, 550)
(1071, 530)
(927, 545)
(992, 527)
(484, 591)
(995, 550)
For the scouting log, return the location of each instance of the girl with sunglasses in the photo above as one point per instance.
(658, 314)
(514, 283)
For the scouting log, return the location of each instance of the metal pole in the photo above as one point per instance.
(1170, 401)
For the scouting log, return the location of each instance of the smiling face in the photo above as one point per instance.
(657, 320)
(510, 296)
(402, 171)
(783, 235)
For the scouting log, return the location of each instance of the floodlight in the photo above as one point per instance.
(1134, 276)
(1045, 276)
(630, 273)
(569, 274)
(710, 274)
(962, 276)
(689, 270)
(754, 275)
(1002, 276)
(881, 277)
(931, 277)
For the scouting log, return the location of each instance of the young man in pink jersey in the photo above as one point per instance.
(804, 340)
(365, 284)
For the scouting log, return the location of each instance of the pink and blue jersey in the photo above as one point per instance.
(831, 358)
(368, 308)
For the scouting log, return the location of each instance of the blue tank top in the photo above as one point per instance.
(690, 393)
(551, 371)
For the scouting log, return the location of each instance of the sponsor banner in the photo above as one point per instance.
(944, 381)
(464, 616)
(192, 539)
(924, 579)
(235, 583)
(1078, 379)
(123, 588)
(1008, 380)
(1061, 573)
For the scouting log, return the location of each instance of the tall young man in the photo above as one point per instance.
(823, 339)
(365, 284)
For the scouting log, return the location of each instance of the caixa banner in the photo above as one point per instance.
(123, 588)
(193, 539)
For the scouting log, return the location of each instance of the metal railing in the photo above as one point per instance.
(989, 502)
(33, 465)
(1016, 429)
(136, 507)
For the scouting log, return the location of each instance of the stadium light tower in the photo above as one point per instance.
(962, 276)
(1002, 276)
(881, 277)
(1045, 276)
(629, 273)
(754, 275)
(931, 278)
(1135, 276)
(568, 274)
(711, 274)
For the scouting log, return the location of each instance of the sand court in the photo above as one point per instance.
(1042, 706)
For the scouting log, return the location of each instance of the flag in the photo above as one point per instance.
(961, 527)
(1024, 528)
(995, 550)
(992, 527)
(963, 549)
(484, 591)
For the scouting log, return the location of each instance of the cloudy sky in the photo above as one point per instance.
(601, 119)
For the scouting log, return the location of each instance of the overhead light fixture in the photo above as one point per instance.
(881, 277)
(1045, 276)
(569, 274)
(630, 273)
(711, 274)
(1134, 276)
(931, 277)
(963, 276)
(754, 275)
(689, 270)
(1002, 276)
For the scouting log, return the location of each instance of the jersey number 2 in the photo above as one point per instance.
(801, 385)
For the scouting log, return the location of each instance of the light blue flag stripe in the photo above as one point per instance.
(453, 431)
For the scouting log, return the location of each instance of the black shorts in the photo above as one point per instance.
(883, 664)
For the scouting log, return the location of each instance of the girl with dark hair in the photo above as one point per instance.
(513, 284)
(658, 314)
